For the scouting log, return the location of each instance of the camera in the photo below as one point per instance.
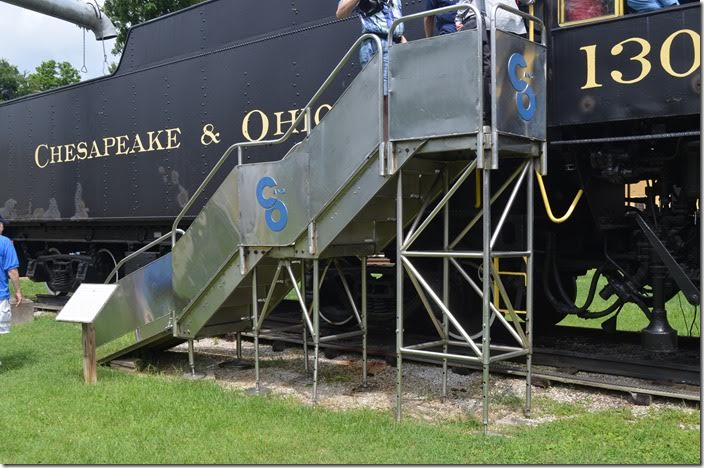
(372, 7)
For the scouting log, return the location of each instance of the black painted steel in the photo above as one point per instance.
(651, 89)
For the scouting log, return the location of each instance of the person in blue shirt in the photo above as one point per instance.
(439, 24)
(641, 6)
(8, 270)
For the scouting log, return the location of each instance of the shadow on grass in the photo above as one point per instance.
(16, 360)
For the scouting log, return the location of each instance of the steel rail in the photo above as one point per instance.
(539, 358)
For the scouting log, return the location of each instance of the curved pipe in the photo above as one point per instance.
(546, 202)
(84, 14)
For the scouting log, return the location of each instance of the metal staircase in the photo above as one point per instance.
(345, 190)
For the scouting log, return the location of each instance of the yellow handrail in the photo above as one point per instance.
(546, 202)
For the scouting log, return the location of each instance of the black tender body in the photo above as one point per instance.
(129, 149)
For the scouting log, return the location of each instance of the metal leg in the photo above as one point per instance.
(364, 322)
(445, 282)
(192, 375)
(305, 330)
(258, 389)
(486, 300)
(239, 345)
(399, 291)
(255, 330)
(316, 326)
(529, 286)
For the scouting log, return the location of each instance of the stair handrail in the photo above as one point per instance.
(140, 251)
(306, 113)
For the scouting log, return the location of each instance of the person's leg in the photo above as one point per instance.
(5, 316)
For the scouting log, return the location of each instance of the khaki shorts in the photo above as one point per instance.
(5, 316)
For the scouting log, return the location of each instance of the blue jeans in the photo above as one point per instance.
(368, 50)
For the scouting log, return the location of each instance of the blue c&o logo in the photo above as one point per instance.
(272, 205)
(525, 110)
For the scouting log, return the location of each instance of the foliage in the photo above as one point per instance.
(51, 74)
(48, 415)
(11, 80)
(48, 75)
(127, 13)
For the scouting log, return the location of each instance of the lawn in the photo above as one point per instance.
(47, 415)
(681, 315)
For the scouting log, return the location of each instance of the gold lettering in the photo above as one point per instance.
(36, 157)
(107, 146)
(137, 146)
(590, 51)
(172, 135)
(246, 125)
(55, 154)
(70, 152)
(318, 117)
(82, 148)
(122, 145)
(665, 58)
(645, 65)
(95, 151)
(154, 139)
(279, 121)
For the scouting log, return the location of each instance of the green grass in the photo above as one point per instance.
(679, 312)
(30, 289)
(47, 415)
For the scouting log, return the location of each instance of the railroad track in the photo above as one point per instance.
(631, 370)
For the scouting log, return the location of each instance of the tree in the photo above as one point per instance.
(126, 13)
(11, 81)
(50, 74)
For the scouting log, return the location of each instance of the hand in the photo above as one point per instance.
(403, 39)
(18, 297)
(459, 26)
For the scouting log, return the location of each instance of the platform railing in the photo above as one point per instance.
(480, 26)
(307, 114)
(494, 80)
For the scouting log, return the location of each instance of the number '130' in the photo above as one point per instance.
(642, 59)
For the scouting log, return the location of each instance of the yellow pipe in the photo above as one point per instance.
(546, 202)
(531, 33)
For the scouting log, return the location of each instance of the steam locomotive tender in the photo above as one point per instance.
(96, 170)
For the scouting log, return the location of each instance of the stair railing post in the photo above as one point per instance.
(486, 299)
(364, 322)
(529, 286)
(255, 330)
(445, 280)
(399, 291)
(316, 326)
(303, 312)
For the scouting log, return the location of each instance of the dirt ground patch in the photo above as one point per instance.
(340, 386)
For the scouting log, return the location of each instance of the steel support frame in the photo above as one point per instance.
(478, 351)
(310, 313)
